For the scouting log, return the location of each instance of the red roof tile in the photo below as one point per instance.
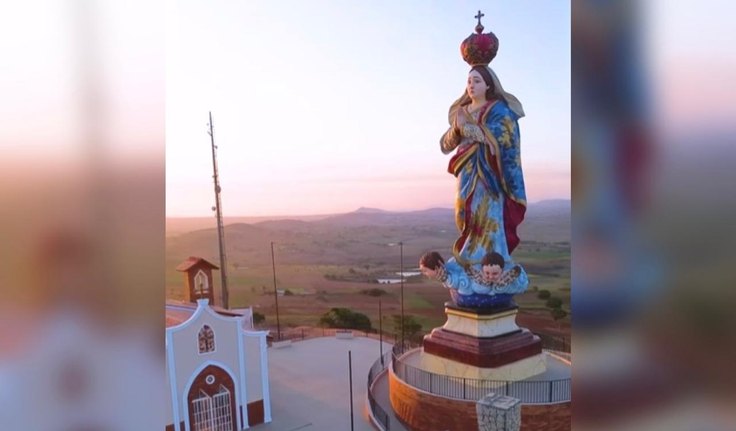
(194, 260)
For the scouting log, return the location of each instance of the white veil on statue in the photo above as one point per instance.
(511, 100)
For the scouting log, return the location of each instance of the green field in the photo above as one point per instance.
(332, 262)
(314, 294)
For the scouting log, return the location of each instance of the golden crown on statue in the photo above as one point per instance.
(479, 48)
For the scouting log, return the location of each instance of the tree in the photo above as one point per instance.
(544, 294)
(258, 318)
(558, 313)
(554, 302)
(345, 318)
(373, 292)
(411, 326)
(288, 292)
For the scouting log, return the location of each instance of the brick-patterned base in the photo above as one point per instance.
(170, 427)
(552, 417)
(483, 352)
(255, 413)
(421, 411)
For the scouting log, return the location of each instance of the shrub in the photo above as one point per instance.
(344, 318)
(258, 318)
(543, 294)
(373, 292)
(554, 302)
(411, 326)
(558, 313)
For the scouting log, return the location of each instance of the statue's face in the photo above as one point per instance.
(491, 272)
(476, 86)
(431, 273)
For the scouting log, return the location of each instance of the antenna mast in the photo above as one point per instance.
(220, 227)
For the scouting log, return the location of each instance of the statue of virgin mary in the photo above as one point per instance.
(490, 200)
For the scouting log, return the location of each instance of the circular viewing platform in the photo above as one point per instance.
(424, 400)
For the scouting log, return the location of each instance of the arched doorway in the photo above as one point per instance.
(211, 401)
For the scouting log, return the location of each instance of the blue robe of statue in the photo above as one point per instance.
(490, 201)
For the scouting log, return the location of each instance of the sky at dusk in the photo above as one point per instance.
(327, 106)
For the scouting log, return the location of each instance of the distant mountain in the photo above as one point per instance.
(365, 210)
(550, 207)
(179, 225)
(287, 224)
(547, 221)
(435, 216)
(358, 237)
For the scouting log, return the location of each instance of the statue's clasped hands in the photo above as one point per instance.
(468, 131)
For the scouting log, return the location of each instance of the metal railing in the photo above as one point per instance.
(555, 342)
(378, 412)
(551, 342)
(528, 391)
(306, 333)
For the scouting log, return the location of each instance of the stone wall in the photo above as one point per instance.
(552, 417)
(421, 411)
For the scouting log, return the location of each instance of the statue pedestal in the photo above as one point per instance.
(482, 344)
(469, 322)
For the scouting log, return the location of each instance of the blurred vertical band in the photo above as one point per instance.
(82, 215)
(653, 215)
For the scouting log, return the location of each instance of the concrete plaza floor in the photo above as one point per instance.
(310, 384)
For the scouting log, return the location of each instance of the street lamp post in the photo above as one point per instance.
(380, 330)
(350, 373)
(401, 278)
(275, 294)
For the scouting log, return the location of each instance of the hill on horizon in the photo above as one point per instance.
(554, 213)
(361, 236)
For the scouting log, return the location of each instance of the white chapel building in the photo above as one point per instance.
(216, 364)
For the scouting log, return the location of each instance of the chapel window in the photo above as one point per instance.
(206, 340)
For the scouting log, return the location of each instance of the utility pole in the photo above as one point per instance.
(218, 215)
(275, 294)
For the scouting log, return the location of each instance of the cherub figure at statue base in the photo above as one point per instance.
(489, 287)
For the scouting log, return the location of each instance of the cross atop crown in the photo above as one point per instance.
(479, 27)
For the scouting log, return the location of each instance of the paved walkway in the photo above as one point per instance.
(380, 392)
(310, 384)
